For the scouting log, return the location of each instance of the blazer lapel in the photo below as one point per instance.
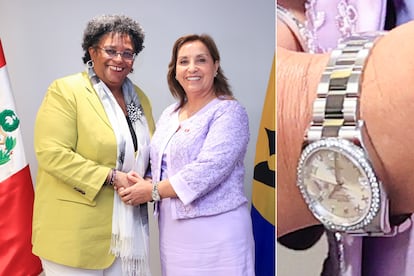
(94, 100)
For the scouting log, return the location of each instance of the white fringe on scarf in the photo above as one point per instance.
(130, 233)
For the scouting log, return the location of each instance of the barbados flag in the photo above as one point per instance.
(263, 190)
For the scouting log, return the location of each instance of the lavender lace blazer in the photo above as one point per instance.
(328, 21)
(205, 158)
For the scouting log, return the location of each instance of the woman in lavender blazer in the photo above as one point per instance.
(197, 155)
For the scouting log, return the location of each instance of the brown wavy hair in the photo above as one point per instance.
(221, 85)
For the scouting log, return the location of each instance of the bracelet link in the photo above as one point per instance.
(112, 179)
(155, 193)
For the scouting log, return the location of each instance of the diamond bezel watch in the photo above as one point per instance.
(335, 173)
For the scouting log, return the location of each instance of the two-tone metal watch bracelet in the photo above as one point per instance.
(335, 111)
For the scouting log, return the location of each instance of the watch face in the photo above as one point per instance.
(338, 184)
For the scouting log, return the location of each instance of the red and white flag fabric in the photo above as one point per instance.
(16, 189)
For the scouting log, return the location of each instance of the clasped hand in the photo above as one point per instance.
(138, 192)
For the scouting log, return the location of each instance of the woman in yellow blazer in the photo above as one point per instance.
(92, 128)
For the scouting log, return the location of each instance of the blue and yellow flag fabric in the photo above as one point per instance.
(263, 191)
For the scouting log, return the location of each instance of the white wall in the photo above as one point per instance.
(42, 41)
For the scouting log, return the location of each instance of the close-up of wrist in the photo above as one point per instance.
(344, 133)
(297, 78)
(388, 79)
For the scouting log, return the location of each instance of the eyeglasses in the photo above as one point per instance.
(127, 55)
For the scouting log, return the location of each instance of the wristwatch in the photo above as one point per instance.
(335, 172)
(155, 194)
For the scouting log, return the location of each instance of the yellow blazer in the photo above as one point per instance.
(75, 148)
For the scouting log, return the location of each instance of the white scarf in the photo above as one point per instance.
(130, 233)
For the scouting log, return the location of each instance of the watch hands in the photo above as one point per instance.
(325, 191)
(324, 180)
(338, 177)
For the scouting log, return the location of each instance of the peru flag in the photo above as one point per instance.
(16, 189)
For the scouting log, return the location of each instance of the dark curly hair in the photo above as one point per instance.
(104, 24)
(221, 86)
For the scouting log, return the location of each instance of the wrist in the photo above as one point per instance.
(155, 194)
(111, 178)
(297, 77)
(388, 93)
